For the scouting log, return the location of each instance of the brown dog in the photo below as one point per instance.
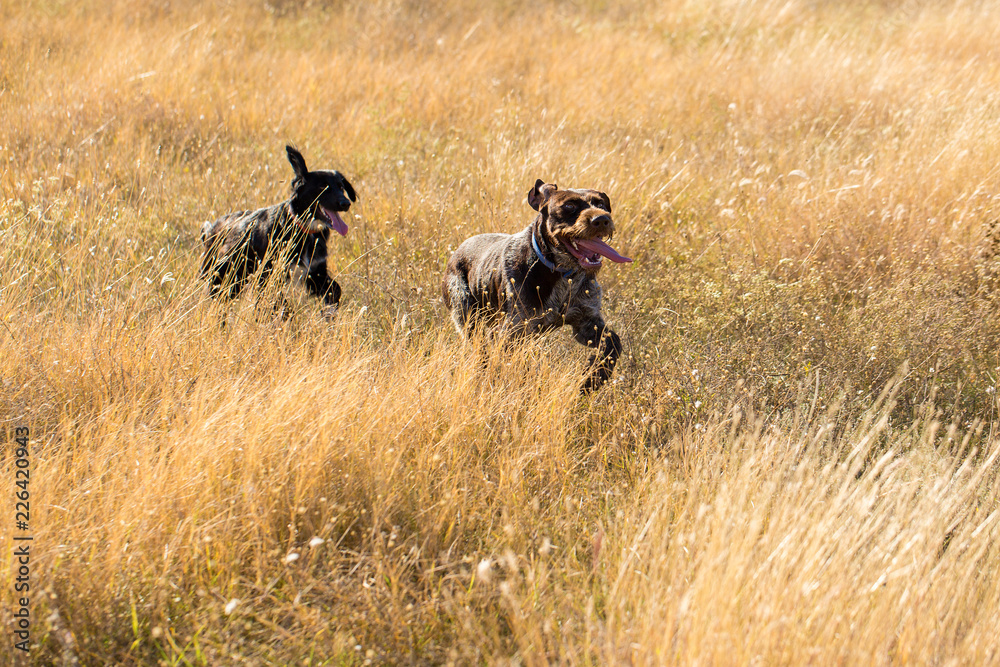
(542, 277)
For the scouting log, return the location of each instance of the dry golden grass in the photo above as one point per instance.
(797, 461)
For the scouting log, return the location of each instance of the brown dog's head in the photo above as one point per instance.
(575, 224)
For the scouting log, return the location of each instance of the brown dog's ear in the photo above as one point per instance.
(540, 194)
(606, 200)
(298, 162)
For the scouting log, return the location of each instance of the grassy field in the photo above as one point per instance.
(796, 462)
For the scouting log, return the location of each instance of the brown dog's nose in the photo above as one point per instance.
(603, 223)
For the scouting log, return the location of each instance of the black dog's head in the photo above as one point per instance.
(574, 224)
(318, 197)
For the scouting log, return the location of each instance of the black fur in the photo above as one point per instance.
(293, 233)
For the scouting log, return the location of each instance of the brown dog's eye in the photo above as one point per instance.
(570, 207)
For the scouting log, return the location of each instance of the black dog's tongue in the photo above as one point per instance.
(603, 249)
(337, 223)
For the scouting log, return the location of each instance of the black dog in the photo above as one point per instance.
(293, 232)
(543, 277)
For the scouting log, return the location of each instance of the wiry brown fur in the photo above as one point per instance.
(498, 278)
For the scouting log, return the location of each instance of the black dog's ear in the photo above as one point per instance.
(348, 188)
(540, 194)
(297, 161)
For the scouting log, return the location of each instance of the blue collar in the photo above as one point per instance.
(541, 258)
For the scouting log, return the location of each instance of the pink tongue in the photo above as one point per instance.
(602, 248)
(337, 223)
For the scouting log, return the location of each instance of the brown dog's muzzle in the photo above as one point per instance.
(603, 225)
(584, 240)
(593, 224)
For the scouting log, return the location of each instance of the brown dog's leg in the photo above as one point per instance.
(594, 333)
(460, 302)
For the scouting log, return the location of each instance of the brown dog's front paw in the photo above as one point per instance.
(602, 363)
(330, 312)
(595, 381)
